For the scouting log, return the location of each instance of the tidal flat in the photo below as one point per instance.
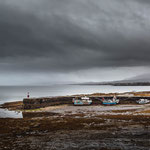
(65, 127)
(74, 132)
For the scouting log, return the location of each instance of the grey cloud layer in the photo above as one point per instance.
(60, 35)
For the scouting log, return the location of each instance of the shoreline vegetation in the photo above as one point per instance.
(124, 126)
(117, 83)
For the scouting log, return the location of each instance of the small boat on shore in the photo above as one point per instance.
(113, 101)
(82, 101)
(143, 101)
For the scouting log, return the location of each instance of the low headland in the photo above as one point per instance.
(55, 123)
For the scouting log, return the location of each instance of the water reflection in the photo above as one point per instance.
(5, 113)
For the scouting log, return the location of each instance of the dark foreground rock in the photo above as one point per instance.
(112, 132)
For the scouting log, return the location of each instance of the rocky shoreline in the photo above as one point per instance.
(68, 127)
(72, 132)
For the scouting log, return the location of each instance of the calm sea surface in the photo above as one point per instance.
(17, 93)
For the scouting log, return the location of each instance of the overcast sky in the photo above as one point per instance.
(49, 41)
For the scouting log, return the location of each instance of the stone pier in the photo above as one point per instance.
(34, 103)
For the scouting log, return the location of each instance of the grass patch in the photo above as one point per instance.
(123, 111)
(144, 111)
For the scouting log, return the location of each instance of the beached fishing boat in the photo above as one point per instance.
(143, 101)
(82, 101)
(113, 101)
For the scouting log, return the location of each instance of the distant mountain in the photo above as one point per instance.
(140, 80)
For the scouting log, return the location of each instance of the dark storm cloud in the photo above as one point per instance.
(143, 1)
(61, 35)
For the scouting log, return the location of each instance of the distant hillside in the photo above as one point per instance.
(141, 80)
(117, 83)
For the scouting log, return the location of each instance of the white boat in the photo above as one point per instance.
(143, 101)
(82, 101)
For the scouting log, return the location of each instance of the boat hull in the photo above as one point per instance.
(78, 102)
(143, 101)
(109, 103)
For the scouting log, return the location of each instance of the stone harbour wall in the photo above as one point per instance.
(34, 103)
